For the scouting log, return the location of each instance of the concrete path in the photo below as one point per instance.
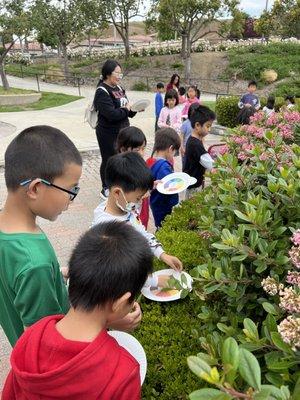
(69, 118)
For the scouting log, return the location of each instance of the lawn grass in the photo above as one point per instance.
(210, 104)
(47, 100)
(14, 91)
(28, 70)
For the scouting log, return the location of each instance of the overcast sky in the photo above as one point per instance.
(252, 7)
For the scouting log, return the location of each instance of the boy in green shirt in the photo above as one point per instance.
(42, 171)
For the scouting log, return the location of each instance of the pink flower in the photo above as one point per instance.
(296, 237)
(248, 147)
(242, 156)
(293, 278)
(292, 117)
(272, 120)
(289, 330)
(289, 300)
(285, 131)
(239, 139)
(264, 156)
(257, 117)
(294, 254)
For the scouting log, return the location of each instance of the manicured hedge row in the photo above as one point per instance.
(227, 109)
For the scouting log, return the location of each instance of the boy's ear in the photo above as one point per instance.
(33, 188)
(121, 302)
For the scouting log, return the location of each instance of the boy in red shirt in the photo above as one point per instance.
(73, 356)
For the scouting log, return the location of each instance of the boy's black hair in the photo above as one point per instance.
(252, 83)
(164, 138)
(192, 108)
(160, 85)
(181, 91)
(201, 114)
(290, 98)
(130, 138)
(128, 171)
(110, 259)
(40, 151)
(171, 94)
(270, 102)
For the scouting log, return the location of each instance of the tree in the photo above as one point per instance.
(119, 13)
(62, 21)
(235, 27)
(15, 22)
(283, 19)
(187, 18)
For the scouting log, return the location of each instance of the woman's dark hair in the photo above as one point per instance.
(173, 77)
(171, 94)
(270, 102)
(164, 138)
(110, 259)
(130, 138)
(181, 91)
(290, 98)
(107, 69)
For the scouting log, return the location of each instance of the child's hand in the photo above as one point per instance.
(130, 321)
(171, 261)
(155, 183)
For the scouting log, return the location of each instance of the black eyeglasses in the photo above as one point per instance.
(72, 193)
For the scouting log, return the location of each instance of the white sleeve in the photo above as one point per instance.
(206, 161)
(154, 244)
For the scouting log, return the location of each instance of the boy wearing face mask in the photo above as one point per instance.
(128, 179)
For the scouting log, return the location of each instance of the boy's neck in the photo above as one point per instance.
(112, 208)
(161, 154)
(16, 217)
(82, 326)
(197, 136)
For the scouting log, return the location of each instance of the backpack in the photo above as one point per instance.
(91, 114)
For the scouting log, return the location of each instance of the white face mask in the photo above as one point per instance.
(130, 206)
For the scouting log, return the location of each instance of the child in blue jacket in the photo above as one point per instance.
(159, 101)
(166, 146)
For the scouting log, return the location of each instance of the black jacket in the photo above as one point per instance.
(110, 103)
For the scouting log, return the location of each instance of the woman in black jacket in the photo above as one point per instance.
(113, 111)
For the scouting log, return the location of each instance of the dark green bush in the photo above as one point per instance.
(291, 87)
(227, 109)
(166, 334)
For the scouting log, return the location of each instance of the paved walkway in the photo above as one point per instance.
(69, 117)
(65, 232)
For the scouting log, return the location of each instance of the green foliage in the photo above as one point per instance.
(249, 62)
(227, 110)
(177, 65)
(166, 333)
(140, 86)
(47, 100)
(288, 87)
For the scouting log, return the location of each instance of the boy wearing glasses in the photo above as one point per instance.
(42, 170)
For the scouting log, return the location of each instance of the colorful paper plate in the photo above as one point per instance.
(134, 347)
(170, 295)
(140, 105)
(175, 183)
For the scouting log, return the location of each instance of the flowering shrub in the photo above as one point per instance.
(19, 58)
(169, 47)
(289, 297)
(232, 236)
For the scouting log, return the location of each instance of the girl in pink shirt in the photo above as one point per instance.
(192, 98)
(170, 115)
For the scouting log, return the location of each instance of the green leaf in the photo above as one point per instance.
(211, 289)
(251, 328)
(240, 257)
(198, 366)
(274, 391)
(296, 392)
(218, 274)
(249, 369)
(280, 344)
(269, 308)
(242, 216)
(221, 246)
(204, 394)
(271, 323)
(230, 359)
(263, 394)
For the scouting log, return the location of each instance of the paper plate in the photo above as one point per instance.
(140, 105)
(134, 347)
(174, 183)
(171, 295)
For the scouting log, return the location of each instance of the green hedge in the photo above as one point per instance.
(227, 109)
